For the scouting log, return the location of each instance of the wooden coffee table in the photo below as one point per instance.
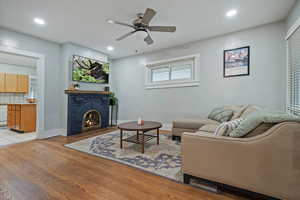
(140, 137)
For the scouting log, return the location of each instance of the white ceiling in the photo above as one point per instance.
(13, 59)
(84, 21)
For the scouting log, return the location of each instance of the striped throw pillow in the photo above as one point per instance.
(220, 115)
(225, 128)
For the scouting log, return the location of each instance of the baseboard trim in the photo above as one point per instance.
(166, 126)
(51, 133)
(63, 132)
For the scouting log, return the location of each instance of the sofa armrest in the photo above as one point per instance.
(268, 163)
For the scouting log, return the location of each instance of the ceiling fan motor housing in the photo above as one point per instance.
(138, 22)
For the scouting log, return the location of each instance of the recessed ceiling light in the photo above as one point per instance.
(231, 13)
(39, 21)
(110, 48)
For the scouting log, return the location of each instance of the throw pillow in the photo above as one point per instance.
(221, 130)
(250, 109)
(220, 115)
(254, 119)
(237, 114)
(226, 128)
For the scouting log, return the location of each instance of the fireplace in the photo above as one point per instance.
(87, 110)
(91, 120)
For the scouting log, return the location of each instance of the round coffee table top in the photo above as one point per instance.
(133, 126)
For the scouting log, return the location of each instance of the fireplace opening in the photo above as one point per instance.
(91, 120)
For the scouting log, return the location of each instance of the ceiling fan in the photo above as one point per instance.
(141, 24)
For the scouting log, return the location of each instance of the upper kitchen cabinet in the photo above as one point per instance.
(11, 82)
(14, 83)
(23, 84)
(2, 81)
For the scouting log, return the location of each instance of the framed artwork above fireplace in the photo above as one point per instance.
(89, 70)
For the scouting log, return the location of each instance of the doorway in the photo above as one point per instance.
(21, 95)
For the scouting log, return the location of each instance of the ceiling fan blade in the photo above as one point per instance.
(148, 39)
(149, 14)
(125, 36)
(110, 21)
(162, 28)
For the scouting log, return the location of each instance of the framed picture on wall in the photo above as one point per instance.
(237, 62)
(90, 70)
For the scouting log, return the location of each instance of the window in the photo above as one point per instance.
(294, 72)
(179, 72)
(160, 74)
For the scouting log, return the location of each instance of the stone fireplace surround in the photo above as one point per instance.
(80, 102)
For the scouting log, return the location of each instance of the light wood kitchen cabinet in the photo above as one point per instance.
(2, 82)
(21, 117)
(11, 82)
(23, 84)
(14, 83)
(11, 116)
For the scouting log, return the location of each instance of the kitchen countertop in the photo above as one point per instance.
(5, 104)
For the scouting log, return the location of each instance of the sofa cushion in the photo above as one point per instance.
(203, 133)
(263, 127)
(211, 128)
(192, 123)
(179, 131)
(220, 114)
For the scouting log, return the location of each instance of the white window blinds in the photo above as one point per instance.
(294, 73)
(172, 71)
(175, 72)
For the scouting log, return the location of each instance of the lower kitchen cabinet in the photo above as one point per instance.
(21, 117)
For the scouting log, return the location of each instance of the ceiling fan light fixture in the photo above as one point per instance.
(141, 34)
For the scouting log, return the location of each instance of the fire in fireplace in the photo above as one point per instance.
(91, 120)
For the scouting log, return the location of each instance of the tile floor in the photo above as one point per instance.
(8, 137)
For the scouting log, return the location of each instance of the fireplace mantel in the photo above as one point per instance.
(86, 92)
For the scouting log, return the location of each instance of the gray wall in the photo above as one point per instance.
(294, 15)
(266, 86)
(68, 50)
(52, 86)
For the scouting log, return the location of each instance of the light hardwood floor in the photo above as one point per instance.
(45, 169)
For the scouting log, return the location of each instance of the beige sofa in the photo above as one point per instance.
(204, 124)
(268, 163)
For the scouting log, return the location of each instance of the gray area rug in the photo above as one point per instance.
(163, 159)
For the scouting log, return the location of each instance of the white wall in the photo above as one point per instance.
(68, 50)
(266, 85)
